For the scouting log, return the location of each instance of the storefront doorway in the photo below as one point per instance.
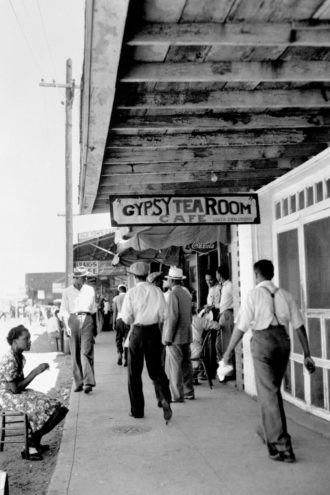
(304, 269)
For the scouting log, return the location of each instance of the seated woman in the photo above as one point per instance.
(43, 412)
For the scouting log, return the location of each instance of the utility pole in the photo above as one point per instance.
(70, 88)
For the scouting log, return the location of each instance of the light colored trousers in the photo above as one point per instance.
(270, 350)
(178, 368)
(82, 349)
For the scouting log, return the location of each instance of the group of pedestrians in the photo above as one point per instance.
(160, 333)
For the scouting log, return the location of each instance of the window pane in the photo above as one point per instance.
(287, 379)
(327, 184)
(293, 204)
(310, 196)
(301, 200)
(327, 338)
(317, 242)
(317, 394)
(319, 191)
(314, 334)
(277, 211)
(285, 207)
(288, 262)
(299, 379)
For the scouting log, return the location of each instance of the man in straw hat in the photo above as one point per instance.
(144, 308)
(78, 309)
(177, 336)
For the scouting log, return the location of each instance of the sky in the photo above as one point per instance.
(36, 39)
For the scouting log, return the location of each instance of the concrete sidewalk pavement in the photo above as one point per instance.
(209, 446)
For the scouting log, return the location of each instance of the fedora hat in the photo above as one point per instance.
(139, 268)
(80, 271)
(176, 273)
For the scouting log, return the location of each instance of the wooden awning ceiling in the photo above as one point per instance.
(180, 92)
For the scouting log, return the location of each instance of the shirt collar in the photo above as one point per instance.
(268, 284)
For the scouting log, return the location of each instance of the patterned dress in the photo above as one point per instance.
(37, 405)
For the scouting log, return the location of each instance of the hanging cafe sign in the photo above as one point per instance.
(184, 210)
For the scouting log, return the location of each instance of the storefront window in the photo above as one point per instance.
(314, 332)
(289, 275)
(299, 381)
(317, 242)
(317, 392)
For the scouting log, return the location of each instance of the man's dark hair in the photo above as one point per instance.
(265, 268)
(15, 333)
(209, 273)
(122, 288)
(223, 271)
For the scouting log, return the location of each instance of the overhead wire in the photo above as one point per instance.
(35, 59)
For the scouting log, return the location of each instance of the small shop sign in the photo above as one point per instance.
(235, 208)
(102, 268)
(200, 247)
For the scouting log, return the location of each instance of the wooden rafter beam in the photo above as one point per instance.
(137, 120)
(251, 137)
(247, 183)
(232, 34)
(139, 179)
(206, 98)
(202, 166)
(298, 71)
(208, 154)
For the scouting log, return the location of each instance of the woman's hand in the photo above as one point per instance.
(41, 368)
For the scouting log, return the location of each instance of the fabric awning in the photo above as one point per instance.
(163, 236)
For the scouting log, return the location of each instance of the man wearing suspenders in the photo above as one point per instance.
(269, 311)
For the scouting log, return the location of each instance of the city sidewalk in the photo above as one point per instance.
(209, 446)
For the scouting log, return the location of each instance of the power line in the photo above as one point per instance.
(46, 37)
(24, 36)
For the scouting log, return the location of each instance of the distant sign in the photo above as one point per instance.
(91, 266)
(58, 288)
(85, 236)
(200, 247)
(41, 294)
(184, 210)
(101, 268)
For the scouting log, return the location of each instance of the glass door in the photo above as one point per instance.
(304, 270)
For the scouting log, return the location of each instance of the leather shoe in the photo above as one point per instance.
(167, 411)
(190, 397)
(78, 389)
(87, 389)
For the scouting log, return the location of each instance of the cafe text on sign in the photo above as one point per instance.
(184, 210)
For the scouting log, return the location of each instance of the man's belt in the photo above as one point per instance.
(79, 313)
(145, 326)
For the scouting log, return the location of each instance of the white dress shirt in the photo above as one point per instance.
(226, 300)
(144, 304)
(257, 309)
(213, 297)
(118, 302)
(78, 301)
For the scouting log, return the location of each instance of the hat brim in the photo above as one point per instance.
(176, 278)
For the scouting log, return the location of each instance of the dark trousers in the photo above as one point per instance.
(82, 349)
(145, 342)
(121, 334)
(271, 350)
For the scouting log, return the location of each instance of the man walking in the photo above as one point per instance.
(119, 325)
(226, 314)
(78, 309)
(177, 336)
(144, 307)
(269, 310)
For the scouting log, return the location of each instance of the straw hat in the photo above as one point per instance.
(80, 271)
(176, 273)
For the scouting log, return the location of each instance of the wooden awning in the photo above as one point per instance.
(201, 97)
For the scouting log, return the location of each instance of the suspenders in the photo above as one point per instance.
(273, 299)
